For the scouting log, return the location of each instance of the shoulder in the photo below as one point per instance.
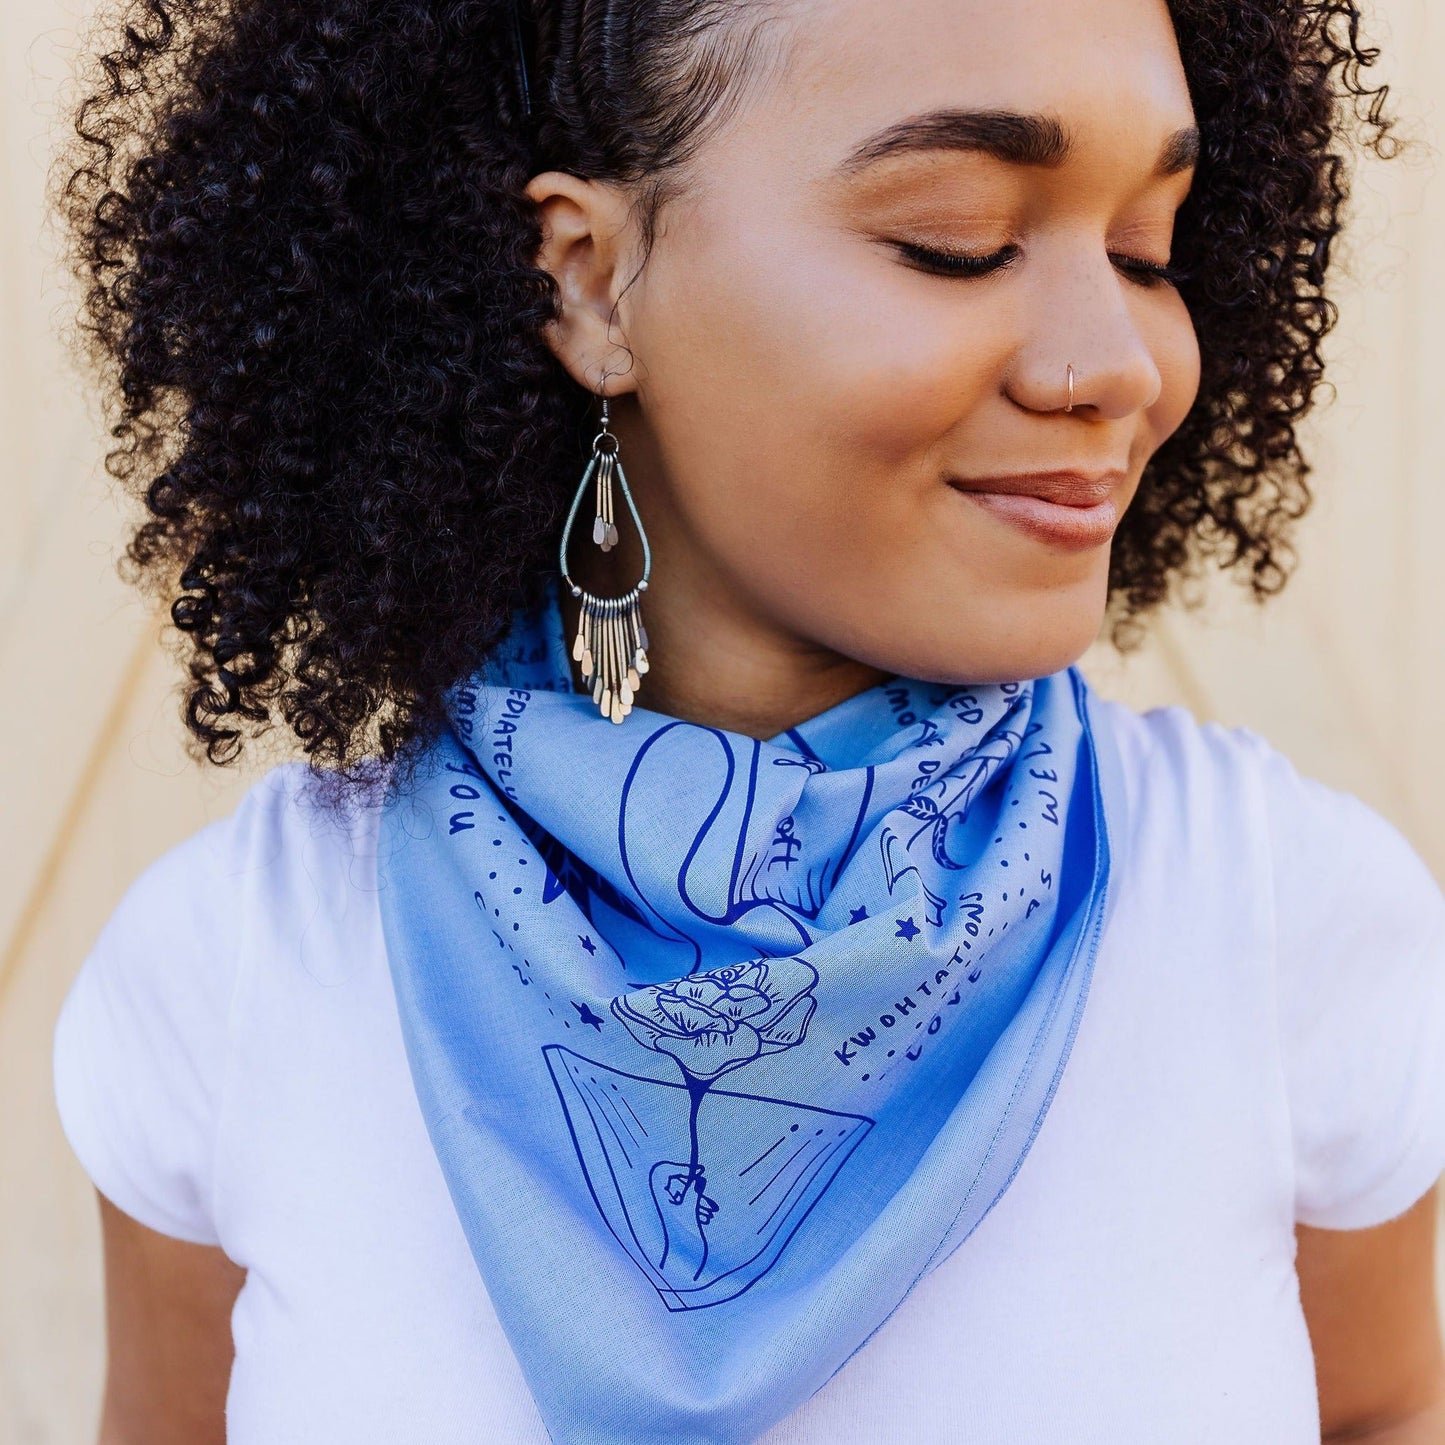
(1169, 755)
(142, 1043)
(273, 869)
(1210, 783)
(1356, 923)
(284, 813)
(283, 850)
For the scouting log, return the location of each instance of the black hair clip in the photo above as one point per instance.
(520, 37)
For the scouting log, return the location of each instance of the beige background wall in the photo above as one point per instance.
(1344, 672)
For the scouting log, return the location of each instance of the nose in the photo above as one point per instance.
(1083, 316)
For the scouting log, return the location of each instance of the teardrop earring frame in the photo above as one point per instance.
(611, 642)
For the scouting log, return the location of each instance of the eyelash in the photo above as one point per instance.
(945, 263)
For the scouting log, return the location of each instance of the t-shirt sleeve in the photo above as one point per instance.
(142, 1041)
(1360, 979)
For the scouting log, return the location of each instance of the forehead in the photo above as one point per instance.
(1096, 65)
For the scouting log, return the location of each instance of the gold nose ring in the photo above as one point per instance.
(1070, 373)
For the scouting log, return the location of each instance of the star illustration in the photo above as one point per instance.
(857, 915)
(907, 928)
(586, 941)
(587, 1016)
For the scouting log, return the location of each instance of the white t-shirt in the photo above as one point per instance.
(1264, 1042)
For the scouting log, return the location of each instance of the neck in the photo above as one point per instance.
(714, 662)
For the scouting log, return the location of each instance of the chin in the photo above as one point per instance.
(1040, 661)
(995, 639)
(1015, 664)
(974, 659)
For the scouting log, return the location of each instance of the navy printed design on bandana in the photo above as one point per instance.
(724, 1042)
(705, 1212)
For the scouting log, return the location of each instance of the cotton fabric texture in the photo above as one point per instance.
(1264, 1043)
(723, 1043)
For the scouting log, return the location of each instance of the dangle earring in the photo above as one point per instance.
(611, 642)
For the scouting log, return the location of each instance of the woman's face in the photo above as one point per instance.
(817, 416)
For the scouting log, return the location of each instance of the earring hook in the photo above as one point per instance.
(604, 440)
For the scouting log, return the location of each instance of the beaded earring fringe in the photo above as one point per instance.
(611, 642)
(611, 645)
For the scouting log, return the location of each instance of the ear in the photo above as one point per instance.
(587, 247)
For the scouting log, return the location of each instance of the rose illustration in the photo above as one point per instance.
(710, 1024)
(714, 1022)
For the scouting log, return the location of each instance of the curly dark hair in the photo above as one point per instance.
(310, 288)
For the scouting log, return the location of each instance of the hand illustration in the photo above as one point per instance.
(681, 1184)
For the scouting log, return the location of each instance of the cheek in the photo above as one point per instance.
(815, 381)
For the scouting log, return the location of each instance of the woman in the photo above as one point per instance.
(741, 982)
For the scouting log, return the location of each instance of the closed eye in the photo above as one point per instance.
(957, 263)
(972, 264)
(1149, 273)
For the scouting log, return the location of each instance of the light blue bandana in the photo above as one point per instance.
(722, 1044)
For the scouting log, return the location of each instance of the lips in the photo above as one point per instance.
(1073, 511)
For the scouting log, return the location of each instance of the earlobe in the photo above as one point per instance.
(585, 244)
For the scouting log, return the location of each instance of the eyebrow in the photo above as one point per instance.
(1009, 136)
